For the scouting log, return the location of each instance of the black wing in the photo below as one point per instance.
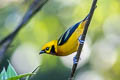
(67, 34)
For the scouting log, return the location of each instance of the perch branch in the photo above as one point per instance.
(83, 38)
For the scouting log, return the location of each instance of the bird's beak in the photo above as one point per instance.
(42, 51)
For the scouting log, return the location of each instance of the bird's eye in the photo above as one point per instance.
(47, 48)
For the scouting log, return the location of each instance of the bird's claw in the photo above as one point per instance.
(75, 60)
(80, 40)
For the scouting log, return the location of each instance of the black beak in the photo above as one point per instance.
(42, 51)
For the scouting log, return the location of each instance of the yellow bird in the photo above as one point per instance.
(67, 43)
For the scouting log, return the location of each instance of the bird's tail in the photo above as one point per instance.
(83, 22)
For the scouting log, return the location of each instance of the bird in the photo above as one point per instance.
(68, 42)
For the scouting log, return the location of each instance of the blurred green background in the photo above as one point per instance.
(100, 59)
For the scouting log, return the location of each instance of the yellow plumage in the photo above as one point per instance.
(67, 43)
(72, 44)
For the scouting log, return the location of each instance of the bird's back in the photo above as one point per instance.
(70, 43)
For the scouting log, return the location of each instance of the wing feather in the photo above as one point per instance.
(63, 39)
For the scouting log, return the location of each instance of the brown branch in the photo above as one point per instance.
(33, 9)
(83, 38)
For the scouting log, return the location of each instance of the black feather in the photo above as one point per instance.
(67, 34)
(53, 49)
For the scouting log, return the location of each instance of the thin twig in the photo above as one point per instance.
(36, 69)
(33, 9)
(83, 38)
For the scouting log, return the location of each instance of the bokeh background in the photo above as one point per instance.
(100, 59)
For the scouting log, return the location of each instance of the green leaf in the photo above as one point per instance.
(20, 76)
(3, 74)
(9, 73)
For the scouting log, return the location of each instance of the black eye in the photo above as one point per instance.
(47, 48)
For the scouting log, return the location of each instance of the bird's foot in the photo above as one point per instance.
(80, 40)
(75, 60)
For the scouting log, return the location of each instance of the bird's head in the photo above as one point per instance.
(50, 48)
